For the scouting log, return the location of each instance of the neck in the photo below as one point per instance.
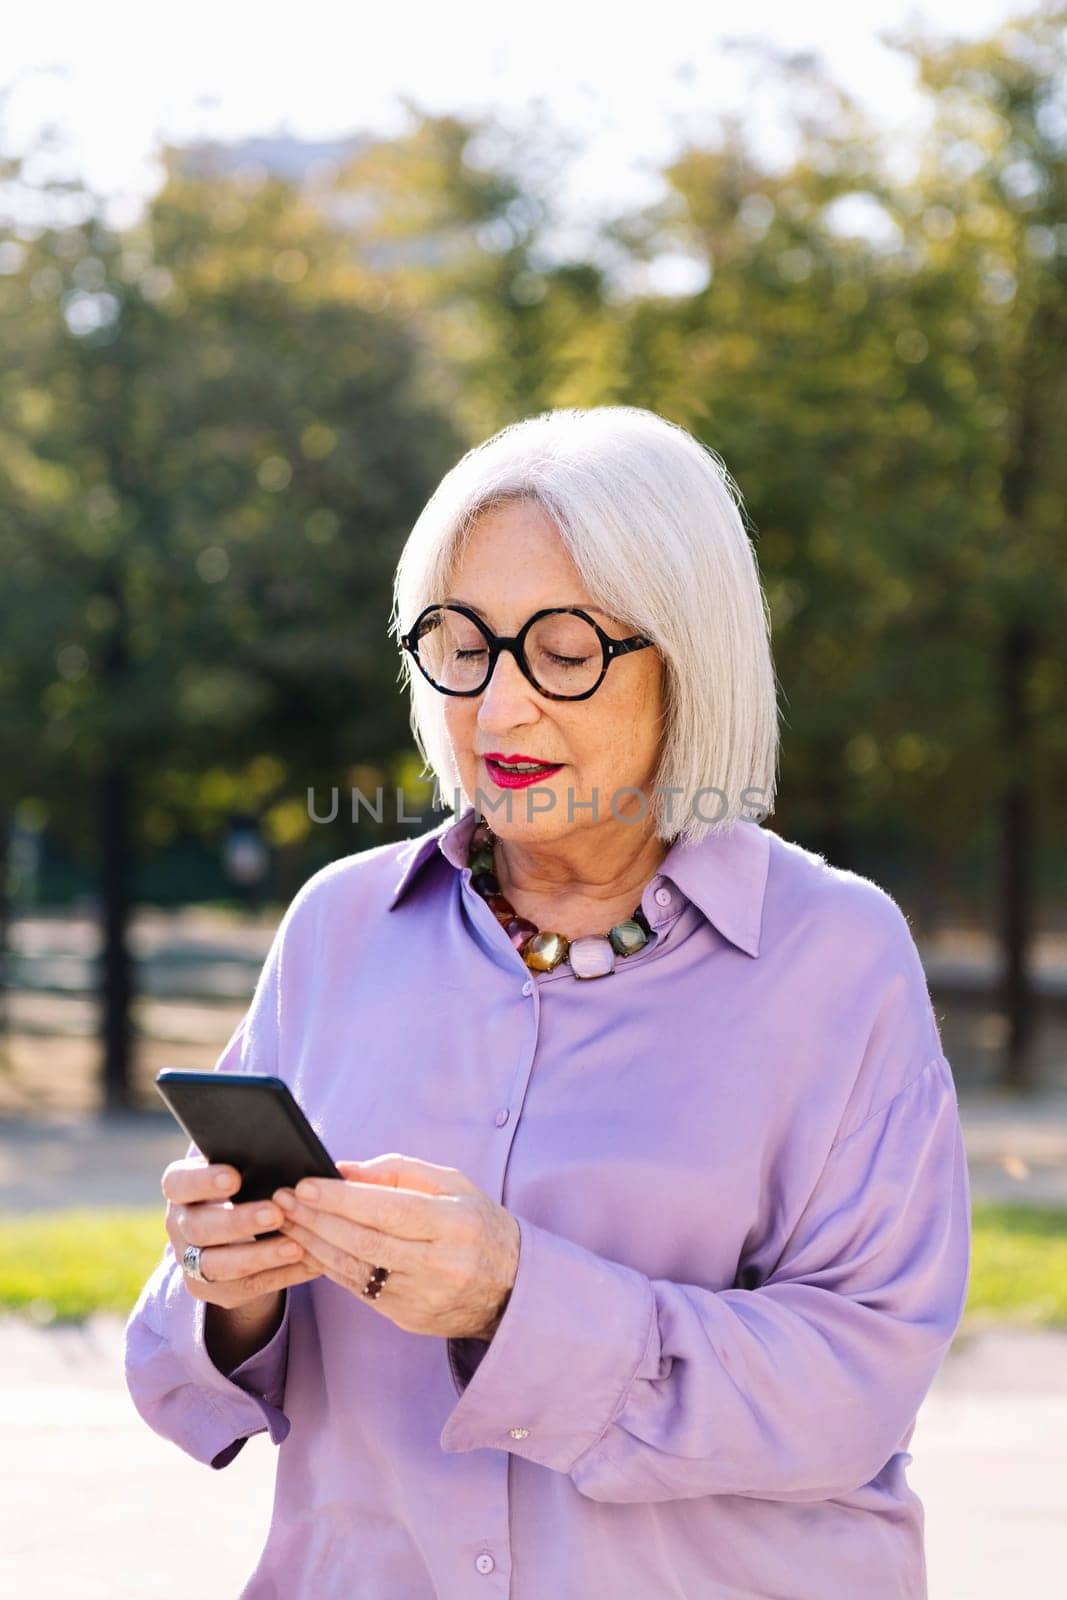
(601, 864)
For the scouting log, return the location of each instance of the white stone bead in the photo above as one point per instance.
(591, 957)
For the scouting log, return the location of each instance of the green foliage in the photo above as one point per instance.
(1019, 1264)
(218, 425)
(890, 403)
(68, 1264)
(217, 449)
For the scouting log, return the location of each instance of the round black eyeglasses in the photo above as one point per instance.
(561, 651)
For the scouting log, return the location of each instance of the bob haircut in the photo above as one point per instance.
(651, 519)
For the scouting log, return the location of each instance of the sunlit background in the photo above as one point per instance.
(266, 272)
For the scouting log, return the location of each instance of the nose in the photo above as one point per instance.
(508, 700)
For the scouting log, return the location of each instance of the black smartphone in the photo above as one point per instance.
(248, 1120)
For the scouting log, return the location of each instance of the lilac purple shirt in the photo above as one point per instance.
(739, 1176)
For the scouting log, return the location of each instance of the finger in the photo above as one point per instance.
(400, 1213)
(302, 1271)
(338, 1262)
(407, 1172)
(317, 1229)
(319, 1268)
(228, 1263)
(384, 1171)
(225, 1223)
(239, 1292)
(188, 1181)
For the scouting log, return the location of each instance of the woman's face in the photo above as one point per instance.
(515, 564)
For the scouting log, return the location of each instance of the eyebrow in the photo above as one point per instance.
(582, 605)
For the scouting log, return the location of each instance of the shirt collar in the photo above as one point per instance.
(725, 875)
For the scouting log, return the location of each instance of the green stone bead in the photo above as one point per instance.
(481, 861)
(545, 951)
(627, 937)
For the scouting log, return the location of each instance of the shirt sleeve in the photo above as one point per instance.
(178, 1389)
(465, 1357)
(171, 1378)
(800, 1388)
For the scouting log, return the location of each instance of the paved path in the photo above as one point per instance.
(95, 1504)
(1015, 1152)
(194, 950)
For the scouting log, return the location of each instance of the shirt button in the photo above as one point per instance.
(527, 987)
(502, 1116)
(519, 1433)
(662, 897)
(485, 1562)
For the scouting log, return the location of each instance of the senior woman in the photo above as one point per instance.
(680, 1234)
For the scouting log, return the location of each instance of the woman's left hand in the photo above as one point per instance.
(451, 1251)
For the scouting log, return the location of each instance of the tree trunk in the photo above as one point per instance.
(5, 924)
(1016, 860)
(117, 976)
(1018, 648)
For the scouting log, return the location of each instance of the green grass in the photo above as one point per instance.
(1018, 1265)
(64, 1265)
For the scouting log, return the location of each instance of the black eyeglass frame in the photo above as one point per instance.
(516, 644)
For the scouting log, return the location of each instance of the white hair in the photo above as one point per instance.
(651, 520)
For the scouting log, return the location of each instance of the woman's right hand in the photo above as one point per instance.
(240, 1270)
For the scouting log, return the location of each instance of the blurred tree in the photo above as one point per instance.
(793, 363)
(986, 221)
(31, 504)
(459, 221)
(235, 449)
(879, 363)
(218, 425)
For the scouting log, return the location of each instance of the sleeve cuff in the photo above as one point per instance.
(464, 1359)
(179, 1390)
(262, 1377)
(562, 1360)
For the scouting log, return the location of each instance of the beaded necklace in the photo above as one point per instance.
(589, 957)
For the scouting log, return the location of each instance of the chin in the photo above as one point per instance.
(506, 813)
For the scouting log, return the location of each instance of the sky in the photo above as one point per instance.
(627, 85)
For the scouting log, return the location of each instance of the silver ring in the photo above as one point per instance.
(191, 1263)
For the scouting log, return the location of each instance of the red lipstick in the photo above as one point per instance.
(498, 755)
(517, 780)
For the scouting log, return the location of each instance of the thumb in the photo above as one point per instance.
(407, 1172)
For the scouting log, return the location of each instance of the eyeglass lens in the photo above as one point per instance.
(562, 652)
